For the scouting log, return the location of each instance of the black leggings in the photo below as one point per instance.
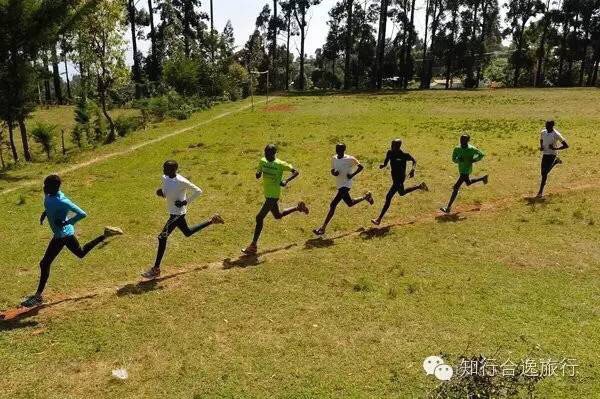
(343, 194)
(175, 221)
(55, 247)
(271, 205)
(397, 188)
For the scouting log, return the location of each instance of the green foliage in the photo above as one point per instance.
(498, 71)
(127, 124)
(181, 74)
(169, 105)
(44, 134)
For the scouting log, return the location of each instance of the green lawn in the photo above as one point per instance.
(353, 315)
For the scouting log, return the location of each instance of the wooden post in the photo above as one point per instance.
(62, 137)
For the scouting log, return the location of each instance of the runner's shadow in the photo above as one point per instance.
(242, 262)
(13, 319)
(375, 232)
(450, 218)
(319, 242)
(533, 201)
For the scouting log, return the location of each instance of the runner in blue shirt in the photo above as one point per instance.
(58, 208)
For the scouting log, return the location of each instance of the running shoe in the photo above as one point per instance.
(302, 207)
(112, 231)
(369, 197)
(217, 219)
(33, 301)
(151, 273)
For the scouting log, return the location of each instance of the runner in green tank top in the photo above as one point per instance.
(271, 170)
(465, 156)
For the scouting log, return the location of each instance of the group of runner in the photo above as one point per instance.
(179, 192)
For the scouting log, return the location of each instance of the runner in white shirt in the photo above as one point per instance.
(549, 138)
(175, 189)
(342, 167)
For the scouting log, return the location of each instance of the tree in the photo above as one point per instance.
(287, 8)
(43, 134)
(301, 8)
(26, 28)
(518, 14)
(101, 49)
(383, 17)
(349, 41)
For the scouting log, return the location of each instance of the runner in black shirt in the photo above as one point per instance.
(398, 160)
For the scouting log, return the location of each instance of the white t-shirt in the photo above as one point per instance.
(175, 189)
(344, 166)
(550, 139)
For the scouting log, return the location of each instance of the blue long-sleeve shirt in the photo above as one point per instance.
(57, 209)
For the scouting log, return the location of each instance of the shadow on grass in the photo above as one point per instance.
(375, 232)
(145, 286)
(533, 201)
(450, 218)
(253, 260)
(13, 319)
(318, 242)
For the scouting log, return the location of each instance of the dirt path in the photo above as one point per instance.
(13, 317)
(81, 165)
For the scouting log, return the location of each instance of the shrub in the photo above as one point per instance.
(43, 134)
(181, 74)
(127, 124)
(172, 105)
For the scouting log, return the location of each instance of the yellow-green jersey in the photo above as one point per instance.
(272, 174)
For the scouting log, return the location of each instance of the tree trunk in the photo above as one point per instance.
(56, 76)
(539, 73)
(137, 81)
(595, 73)
(383, 15)
(46, 81)
(519, 50)
(11, 140)
(594, 69)
(470, 74)
(450, 52)
(287, 59)
(434, 26)
(586, 41)
(348, 51)
(69, 94)
(212, 31)
(274, 34)
(423, 85)
(2, 156)
(409, 44)
(153, 75)
(25, 140)
(302, 38)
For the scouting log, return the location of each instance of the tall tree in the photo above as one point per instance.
(101, 49)
(56, 80)
(349, 40)
(26, 27)
(137, 74)
(153, 65)
(381, 41)
(301, 8)
(519, 13)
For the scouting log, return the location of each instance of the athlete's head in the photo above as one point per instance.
(549, 125)
(464, 140)
(52, 184)
(340, 149)
(270, 152)
(396, 144)
(170, 168)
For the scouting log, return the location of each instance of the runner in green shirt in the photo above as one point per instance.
(465, 156)
(271, 170)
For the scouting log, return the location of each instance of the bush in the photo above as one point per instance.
(43, 134)
(181, 74)
(127, 124)
(172, 105)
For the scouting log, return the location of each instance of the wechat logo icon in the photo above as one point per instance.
(434, 365)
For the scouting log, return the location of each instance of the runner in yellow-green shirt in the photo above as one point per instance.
(271, 170)
(465, 156)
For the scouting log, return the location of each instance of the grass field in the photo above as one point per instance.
(352, 315)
